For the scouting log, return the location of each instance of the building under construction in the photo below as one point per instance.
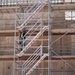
(37, 37)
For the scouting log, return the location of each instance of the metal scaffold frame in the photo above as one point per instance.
(27, 15)
(50, 51)
(49, 38)
(27, 64)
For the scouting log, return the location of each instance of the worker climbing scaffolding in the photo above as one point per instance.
(22, 38)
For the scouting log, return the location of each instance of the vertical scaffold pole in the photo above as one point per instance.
(49, 37)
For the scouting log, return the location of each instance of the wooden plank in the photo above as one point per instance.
(11, 57)
(54, 31)
(8, 32)
(66, 6)
(8, 7)
(63, 5)
(63, 57)
(62, 31)
(25, 57)
(59, 30)
(34, 47)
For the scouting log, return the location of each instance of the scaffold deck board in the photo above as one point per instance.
(8, 7)
(54, 31)
(25, 56)
(8, 32)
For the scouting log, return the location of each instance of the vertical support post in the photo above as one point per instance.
(42, 65)
(14, 61)
(22, 72)
(41, 52)
(14, 46)
(42, 68)
(49, 37)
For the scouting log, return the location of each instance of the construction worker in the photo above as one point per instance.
(22, 37)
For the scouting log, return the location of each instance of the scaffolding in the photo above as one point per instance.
(30, 18)
(26, 67)
(34, 52)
